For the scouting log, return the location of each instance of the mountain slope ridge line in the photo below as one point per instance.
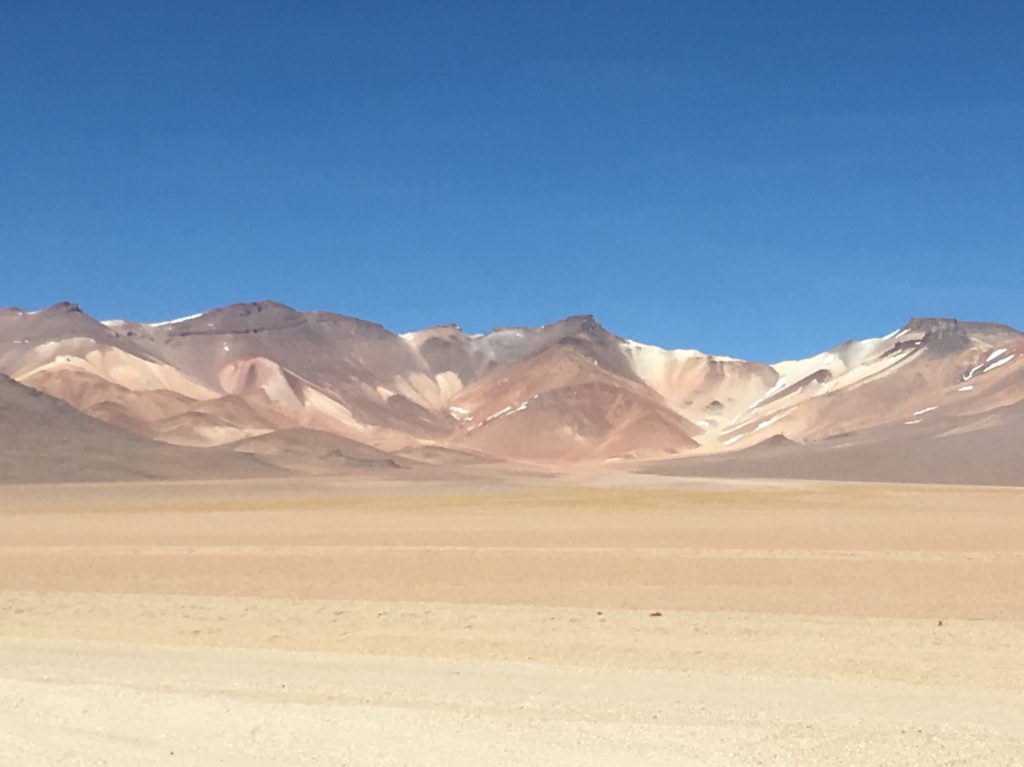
(565, 392)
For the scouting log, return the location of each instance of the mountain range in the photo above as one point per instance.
(260, 389)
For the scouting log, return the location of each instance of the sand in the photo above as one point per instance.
(606, 620)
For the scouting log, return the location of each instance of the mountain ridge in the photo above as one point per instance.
(567, 391)
(918, 323)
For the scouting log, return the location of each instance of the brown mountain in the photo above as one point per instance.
(565, 392)
(45, 439)
(563, 404)
(982, 449)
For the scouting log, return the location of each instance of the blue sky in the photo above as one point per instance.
(756, 179)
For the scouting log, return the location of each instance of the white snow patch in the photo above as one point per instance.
(988, 364)
(762, 425)
(703, 424)
(996, 353)
(926, 410)
(775, 387)
(460, 414)
(517, 408)
(912, 423)
(966, 388)
(175, 322)
(998, 363)
(895, 334)
(226, 348)
(731, 429)
(766, 424)
(636, 347)
(970, 373)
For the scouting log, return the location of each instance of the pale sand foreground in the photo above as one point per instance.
(357, 623)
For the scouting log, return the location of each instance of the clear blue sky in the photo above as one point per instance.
(761, 179)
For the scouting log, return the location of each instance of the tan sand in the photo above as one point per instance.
(611, 621)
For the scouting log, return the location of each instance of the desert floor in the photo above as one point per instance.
(603, 620)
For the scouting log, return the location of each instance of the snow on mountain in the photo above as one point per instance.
(567, 391)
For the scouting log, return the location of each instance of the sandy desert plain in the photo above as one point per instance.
(604, 619)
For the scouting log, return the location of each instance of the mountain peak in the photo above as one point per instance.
(236, 370)
(578, 323)
(932, 324)
(941, 334)
(61, 307)
(256, 307)
(948, 334)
